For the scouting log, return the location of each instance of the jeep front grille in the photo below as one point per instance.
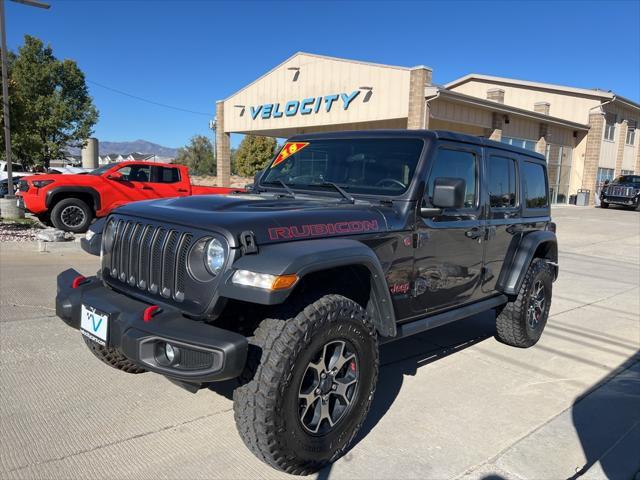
(150, 258)
(615, 191)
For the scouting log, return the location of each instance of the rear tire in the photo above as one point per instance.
(112, 357)
(72, 215)
(312, 388)
(521, 321)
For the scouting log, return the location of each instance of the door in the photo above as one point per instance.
(449, 245)
(166, 182)
(133, 185)
(503, 198)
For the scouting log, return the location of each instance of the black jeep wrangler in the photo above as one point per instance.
(346, 241)
(623, 191)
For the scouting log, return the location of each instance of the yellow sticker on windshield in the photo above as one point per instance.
(288, 149)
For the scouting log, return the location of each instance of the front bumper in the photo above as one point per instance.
(211, 354)
(626, 201)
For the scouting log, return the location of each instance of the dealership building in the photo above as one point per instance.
(587, 135)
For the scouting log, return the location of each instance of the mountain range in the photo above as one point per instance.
(141, 146)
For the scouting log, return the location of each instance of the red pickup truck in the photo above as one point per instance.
(71, 202)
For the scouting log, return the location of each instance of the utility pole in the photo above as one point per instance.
(5, 89)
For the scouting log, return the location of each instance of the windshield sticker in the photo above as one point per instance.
(288, 149)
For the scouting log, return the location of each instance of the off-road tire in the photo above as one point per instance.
(512, 327)
(59, 208)
(266, 409)
(604, 204)
(112, 357)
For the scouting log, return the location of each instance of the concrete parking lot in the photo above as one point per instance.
(450, 403)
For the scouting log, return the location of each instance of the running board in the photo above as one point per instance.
(439, 319)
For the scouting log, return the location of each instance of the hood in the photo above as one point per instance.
(271, 219)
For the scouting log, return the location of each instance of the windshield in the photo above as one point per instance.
(380, 166)
(102, 169)
(627, 179)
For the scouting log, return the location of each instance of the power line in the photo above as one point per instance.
(149, 101)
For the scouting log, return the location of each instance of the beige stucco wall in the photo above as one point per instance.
(320, 76)
(571, 107)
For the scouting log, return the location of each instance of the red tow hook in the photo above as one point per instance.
(150, 312)
(79, 280)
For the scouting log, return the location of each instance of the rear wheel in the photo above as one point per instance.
(604, 204)
(72, 215)
(312, 388)
(521, 321)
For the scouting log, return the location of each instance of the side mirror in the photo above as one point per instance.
(117, 176)
(447, 193)
(606, 182)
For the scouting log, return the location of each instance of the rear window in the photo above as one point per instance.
(165, 175)
(379, 166)
(535, 185)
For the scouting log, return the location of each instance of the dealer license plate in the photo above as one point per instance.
(94, 324)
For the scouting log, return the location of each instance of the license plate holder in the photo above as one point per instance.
(94, 324)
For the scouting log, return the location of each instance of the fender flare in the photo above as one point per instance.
(308, 256)
(521, 253)
(54, 192)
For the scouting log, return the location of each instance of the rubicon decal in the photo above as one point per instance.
(288, 149)
(323, 229)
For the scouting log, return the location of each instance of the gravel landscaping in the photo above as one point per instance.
(21, 231)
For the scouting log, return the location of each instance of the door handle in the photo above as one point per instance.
(474, 233)
(144, 187)
(183, 190)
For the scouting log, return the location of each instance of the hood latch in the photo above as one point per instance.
(248, 242)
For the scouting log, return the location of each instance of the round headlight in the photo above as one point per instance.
(109, 236)
(214, 259)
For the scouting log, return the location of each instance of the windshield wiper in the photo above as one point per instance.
(286, 187)
(340, 190)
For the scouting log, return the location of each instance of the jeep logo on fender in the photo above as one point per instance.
(322, 229)
(303, 107)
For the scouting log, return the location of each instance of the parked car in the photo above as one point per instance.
(348, 240)
(623, 191)
(4, 186)
(71, 202)
(17, 170)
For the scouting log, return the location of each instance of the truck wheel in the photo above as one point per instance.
(603, 204)
(312, 388)
(112, 357)
(72, 215)
(520, 322)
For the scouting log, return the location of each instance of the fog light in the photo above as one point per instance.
(170, 352)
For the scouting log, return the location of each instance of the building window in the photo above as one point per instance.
(520, 142)
(626, 172)
(631, 133)
(604, 174)
(610, 127)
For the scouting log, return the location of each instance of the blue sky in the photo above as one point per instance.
(191, 53)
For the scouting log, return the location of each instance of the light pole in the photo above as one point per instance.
(5, 89)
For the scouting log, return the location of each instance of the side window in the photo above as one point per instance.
(165, 175)
(456, 164)
(135, 173)
(535, 185)
(16, 167)
(502, 182)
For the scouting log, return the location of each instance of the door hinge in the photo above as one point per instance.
(248, 242)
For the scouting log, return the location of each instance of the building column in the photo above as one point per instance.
(622, 138)
(544, 138)
(223, 149)
(592, 153)
(419, 79)
(637, 168)
(497, 122)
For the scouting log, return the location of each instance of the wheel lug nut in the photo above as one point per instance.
(334, 386)
(317, 392)
(323, 375)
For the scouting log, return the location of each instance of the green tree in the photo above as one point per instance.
(198, 156)
(254, 154)
(51, 108)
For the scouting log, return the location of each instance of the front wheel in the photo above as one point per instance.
(521, 321)
(604, 204)
(72, 215)
(312, 388)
